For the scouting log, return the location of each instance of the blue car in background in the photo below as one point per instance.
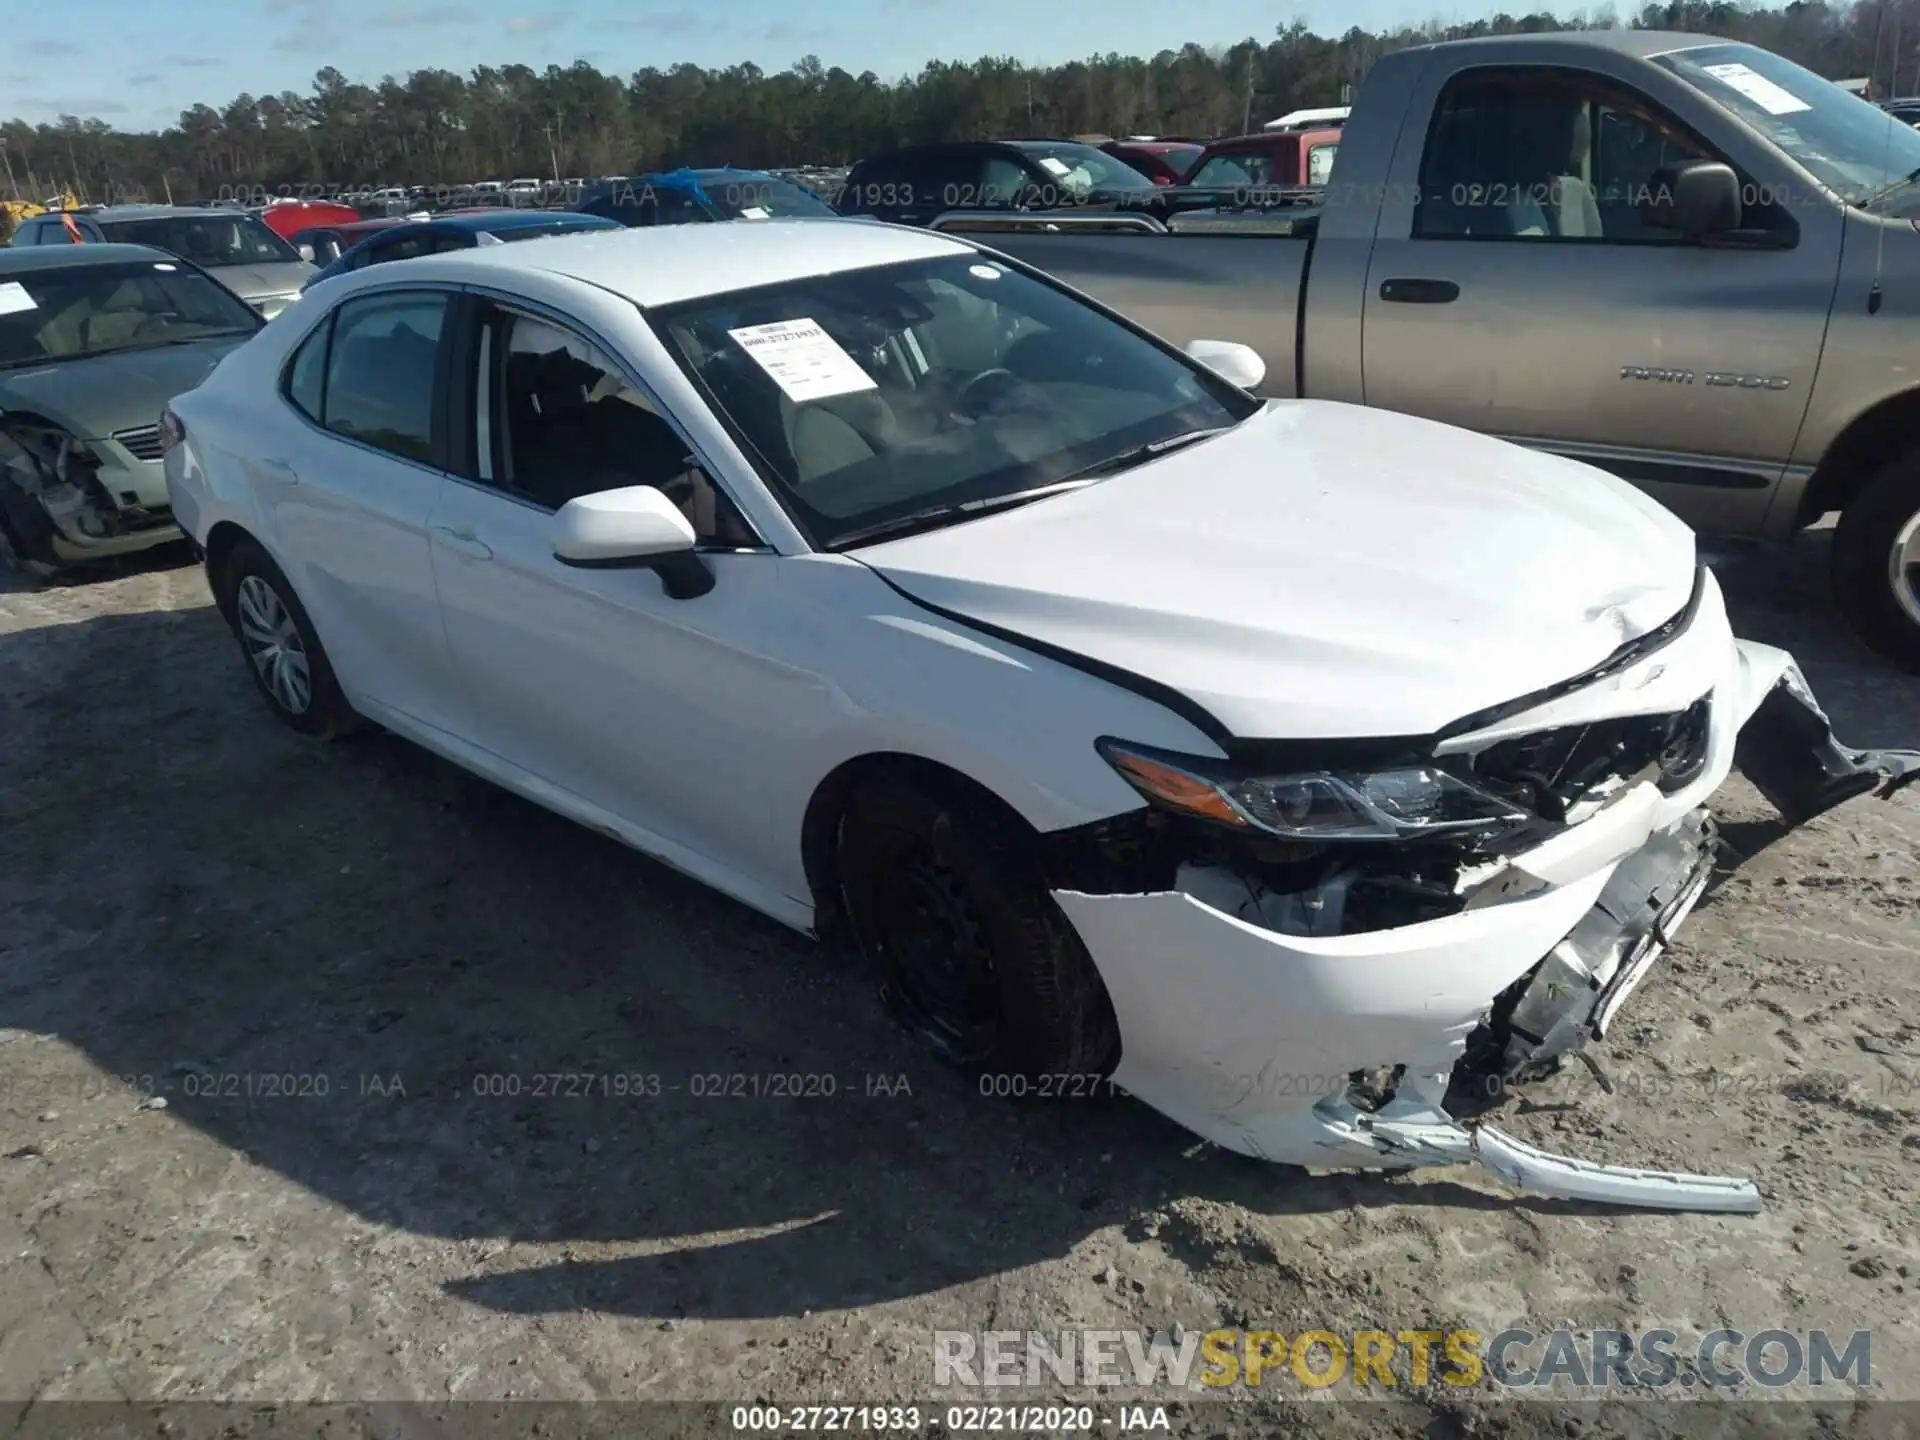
(458, 230)
(682, 197)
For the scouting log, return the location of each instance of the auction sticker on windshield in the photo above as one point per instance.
(804, 361)
(14, 298)
(1772, 98)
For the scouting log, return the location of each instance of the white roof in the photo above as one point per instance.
(664, 264)
(1298, 119)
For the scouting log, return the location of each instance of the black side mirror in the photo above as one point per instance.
(1696, 197)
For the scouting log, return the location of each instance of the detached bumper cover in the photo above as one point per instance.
(1251, 1037)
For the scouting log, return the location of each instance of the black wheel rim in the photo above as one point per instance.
(927, 934)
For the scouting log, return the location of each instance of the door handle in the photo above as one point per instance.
(280, 470)
(463, 542)
(1419, 292)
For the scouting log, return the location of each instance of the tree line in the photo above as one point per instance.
(435, 127)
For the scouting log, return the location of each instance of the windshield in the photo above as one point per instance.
(1081, 168)
(761, 197)
(533, 232)
(210, 240)
(878, 394)
(1849, 145)
(76, 311)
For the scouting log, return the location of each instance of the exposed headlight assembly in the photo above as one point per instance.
(1404, 803)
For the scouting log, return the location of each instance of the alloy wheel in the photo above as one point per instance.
(273, 644)
(1903, 567)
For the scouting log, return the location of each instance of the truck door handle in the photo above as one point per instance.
(463, 542)
(1419, 292)
(280, 470)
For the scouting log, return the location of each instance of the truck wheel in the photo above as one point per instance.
(283, 653)
(1876, 561)
(971, 949)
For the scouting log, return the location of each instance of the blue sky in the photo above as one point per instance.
(137, 64)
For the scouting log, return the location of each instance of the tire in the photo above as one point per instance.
(1882, 608)
(284, 656)
(946, 901)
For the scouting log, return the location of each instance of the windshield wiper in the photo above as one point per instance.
(1911, 178)
(928, 518)
(1140, 454)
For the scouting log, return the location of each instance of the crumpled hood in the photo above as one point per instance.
(251, 282)
(1324, 570)
(94, 396)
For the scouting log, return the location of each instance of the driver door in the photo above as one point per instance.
(1525, 297)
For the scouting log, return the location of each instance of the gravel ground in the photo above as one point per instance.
(355, 944)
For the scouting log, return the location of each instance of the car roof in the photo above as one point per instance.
(29, 258)
(1639, 43)
(665, 264)
(160, 212)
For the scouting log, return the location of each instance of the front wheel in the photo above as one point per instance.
(1876, 562)
(284, 655)
(972, 951)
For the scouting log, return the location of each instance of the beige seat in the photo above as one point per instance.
(829, 435)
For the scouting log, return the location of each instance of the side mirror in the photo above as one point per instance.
(1697, 197)
(637, 528)
(306, 253)
(1233, 362)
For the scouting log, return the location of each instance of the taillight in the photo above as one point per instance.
(172, 432)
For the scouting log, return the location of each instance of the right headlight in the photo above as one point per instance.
(1400, 803)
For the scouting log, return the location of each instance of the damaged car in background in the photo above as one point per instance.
(94, 340)
(1298, 768)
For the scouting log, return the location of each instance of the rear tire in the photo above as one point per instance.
(1876, 561)
(947, 902)
(283, 653)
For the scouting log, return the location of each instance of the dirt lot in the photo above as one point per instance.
(192, 898)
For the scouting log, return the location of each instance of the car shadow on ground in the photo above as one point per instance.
(453, 1013)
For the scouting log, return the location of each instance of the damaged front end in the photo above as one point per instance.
(58, 496)
(1349, 965)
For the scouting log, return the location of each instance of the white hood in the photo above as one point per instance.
(1324, 571)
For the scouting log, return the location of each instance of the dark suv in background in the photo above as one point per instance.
(912, 186)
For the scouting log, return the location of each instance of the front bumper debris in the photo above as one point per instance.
(1265, 1029)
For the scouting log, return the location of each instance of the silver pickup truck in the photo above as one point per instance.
(1688, 261)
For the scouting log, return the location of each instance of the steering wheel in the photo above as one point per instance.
(984, 390)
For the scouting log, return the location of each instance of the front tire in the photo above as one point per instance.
(283, 653)
(1876, 561)
(947, 902)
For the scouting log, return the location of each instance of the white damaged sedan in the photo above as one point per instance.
(1307, 771)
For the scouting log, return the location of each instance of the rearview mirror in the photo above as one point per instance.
(637, 528)
(1696, 197)
(1233, 362)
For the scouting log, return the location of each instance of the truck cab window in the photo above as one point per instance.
(1544, 157)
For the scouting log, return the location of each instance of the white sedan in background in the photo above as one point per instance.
(1304, 770)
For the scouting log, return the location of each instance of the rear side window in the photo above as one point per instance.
(306, 378)
(370, 373)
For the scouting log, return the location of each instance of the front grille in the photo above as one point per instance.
(143, 442)
(1552, 771)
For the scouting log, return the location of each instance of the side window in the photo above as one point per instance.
(306, 378)
(1226, 172)
(1543, 156)
(1320, 163)
(380, 372)
(1002, 183)
(565, 423)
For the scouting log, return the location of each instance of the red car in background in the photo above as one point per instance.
(1269, 159)
(288, 218)
(1163, 160)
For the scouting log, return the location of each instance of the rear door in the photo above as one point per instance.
(357, 470)
(1515, 289)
